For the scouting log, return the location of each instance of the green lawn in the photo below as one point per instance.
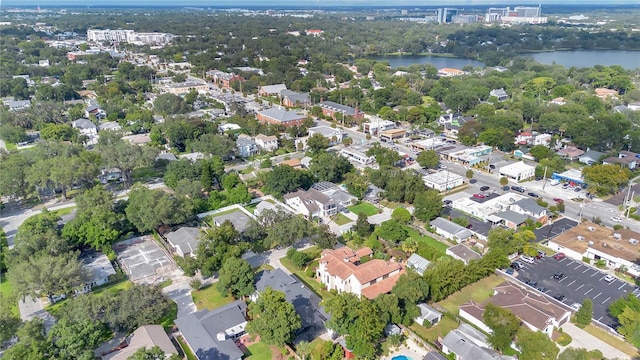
(363, 207)
(390, 204)
(10, 146)
(415, 235)
(167, 320)
(438, 330)
(64, 211)
(6, 289)
(209, 298)
(259, 351)
(617, 343)
(145, 172)
(341, 219)
(478, 291)
(185, 349)
(116, 287)
(251, 207)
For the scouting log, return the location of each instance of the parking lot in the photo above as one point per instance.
(581, 281)
(555, 229)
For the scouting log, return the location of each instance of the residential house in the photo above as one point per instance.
(144, 337)
(604, 93)
(246, 146)
(450, 72)
(591, 157)
(450, 230)
(334, 135)
(93, 108)
(535, 310)
(500, 94)
(97, 269)
(186, 87)
(314, 32)
(85, 127)
(509, 218)
(418, 264)
(338, 111)
(358, 156)
(240, 219)
(442, 180)
(625, 158)
(137, 139)
(266, 205)
(211, 334)
(294, 163)
(558, 101)
(530, 208)
(311, 203)
(434, 355)
(428, 315)
(277, 115)
(588, 240)
(229, 127)
(110, 125)
(17, 105)
(267, 143)
(222, 78)
(570, 153)
(293, 99)
(523, 138)
(305, 301)
(270, 90)
(341, 269)
(184, 241)
(466, 343)
(463, 253)
(518, 171)
(451, 129)
(335, 193)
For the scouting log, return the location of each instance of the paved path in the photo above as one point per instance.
(31, 308)
(582, 339)
(180, 292)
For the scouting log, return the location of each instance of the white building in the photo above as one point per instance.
(443, 180)
(334, 135)
(266, 143)
(358, 156)
(311, 203)
(97, 268)
(377, 125)
(518, 171)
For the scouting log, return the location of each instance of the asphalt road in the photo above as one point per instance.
(581, 281)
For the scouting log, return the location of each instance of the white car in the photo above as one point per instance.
(615, 218)
(609, 278)
(527, 259)
(576, 306)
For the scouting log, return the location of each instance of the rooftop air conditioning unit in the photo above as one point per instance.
(591, 228)
(604, 244)
(617, 236)
(590, 243)
(580, 237)
(633, 241)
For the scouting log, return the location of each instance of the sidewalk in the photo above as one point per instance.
(582, 339)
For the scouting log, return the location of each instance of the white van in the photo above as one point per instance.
(554, 182)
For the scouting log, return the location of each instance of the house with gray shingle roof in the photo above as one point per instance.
(468, 343)
(211, 334)
(417, 263)
(511, 219)
(450, 230)
(428, 314)
(268, 90)
(185, 240)
(294, 99)
(463, 253)
(278, 115)
(591, 157)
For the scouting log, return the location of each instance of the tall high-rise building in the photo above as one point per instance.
(528, 11)
(445, 15)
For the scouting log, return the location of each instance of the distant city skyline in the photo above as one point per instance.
(310, 4)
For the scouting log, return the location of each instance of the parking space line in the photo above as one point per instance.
(621, 286)
(570, 261)
(588, 291)
(563, 279)
(594, 273)
(571, 283)
(579, 287)
(586, 270)
(606, 299)
(595, 297)
(600, 318)
(579, 265)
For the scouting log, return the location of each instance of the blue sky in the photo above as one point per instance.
(311, 3)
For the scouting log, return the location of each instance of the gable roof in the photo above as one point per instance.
(418, 263)
(469, 343)
(530, 206)
(200, 331)
(464, 253)
(283, 115)
(186, 238)
(83, 124)
(592, 155)
(305, 302)
(146, 336)
(428, 313)
(295, 97)
(330, 105)
(512, 216)
(452, 228)
(239, 219)
(273, 89)
(266, 138)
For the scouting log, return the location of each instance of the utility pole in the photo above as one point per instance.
(544, 178)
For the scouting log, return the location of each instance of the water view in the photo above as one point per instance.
(590, 58)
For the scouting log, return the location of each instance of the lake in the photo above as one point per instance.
(589, 58)
(437, 61)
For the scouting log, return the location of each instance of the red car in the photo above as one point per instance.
(559, 256)
(558, 200)
(479, 196)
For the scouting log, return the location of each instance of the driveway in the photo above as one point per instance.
(31, 308)
(582, 339)
(581, 281)
(180, 292)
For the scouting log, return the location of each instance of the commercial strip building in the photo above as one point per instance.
(518, 171)
(443, 180)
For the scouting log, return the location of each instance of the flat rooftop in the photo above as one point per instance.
(622, 243)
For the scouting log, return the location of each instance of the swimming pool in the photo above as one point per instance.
(401, 357)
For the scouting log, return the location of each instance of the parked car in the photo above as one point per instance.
(509, 271)
(558, 200)
(542, 253)
(527, 259)
(533, 284)
(559, 276)
(615, 218)
(559, 256)
(578, 189)
(517, 265)
(478, 196)
(473, 181)
(526, 280)
(575, 306)
(518, 188)
(484, 188)
(447, 202)
(609, 278)
(542, 289)
(534, 195)
(505, 188)
(560, 297)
